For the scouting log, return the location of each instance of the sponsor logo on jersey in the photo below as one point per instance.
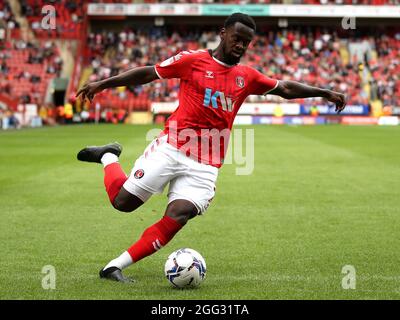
(240, 82)
(210, 74)
(212, 98)
(138, 174)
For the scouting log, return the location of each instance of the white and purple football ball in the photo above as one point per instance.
(185, 268)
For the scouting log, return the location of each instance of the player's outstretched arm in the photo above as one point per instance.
(135, 76)
(292, 90)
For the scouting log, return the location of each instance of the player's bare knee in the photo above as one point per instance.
(126, 202)
(121, 206)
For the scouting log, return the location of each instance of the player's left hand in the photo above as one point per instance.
(339, 99)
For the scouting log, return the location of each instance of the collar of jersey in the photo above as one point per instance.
(223, 63)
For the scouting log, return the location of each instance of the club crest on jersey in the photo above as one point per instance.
(240, 82)
(138, 174)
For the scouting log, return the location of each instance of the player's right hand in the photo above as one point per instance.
(89, 90)
(339, 99)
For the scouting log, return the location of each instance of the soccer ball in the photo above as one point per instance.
(185, 268)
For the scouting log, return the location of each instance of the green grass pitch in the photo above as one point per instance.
(319, 198)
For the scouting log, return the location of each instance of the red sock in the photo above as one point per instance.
(114, 178)
(154, 237)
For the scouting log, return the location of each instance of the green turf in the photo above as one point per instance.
(319, 198)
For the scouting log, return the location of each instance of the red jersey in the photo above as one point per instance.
(211, 93)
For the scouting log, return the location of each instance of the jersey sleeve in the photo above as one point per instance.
(261, 84)
(178, 66)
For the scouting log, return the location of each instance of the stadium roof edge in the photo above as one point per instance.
(331, 11)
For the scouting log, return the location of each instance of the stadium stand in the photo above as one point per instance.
(70, 13)
(26, 69)
(364, 65)
(385, 70)
(69, 16)
(319, 57)
(7, 21)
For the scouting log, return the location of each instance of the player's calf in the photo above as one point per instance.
(153, 238)
(114, 176)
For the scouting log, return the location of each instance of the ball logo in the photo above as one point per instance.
(240, 82)
(139, 174)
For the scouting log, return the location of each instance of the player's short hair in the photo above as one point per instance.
(242, 18)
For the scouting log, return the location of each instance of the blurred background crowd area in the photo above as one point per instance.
(26, 69)
(363, 67)
(363, 63)
(71, 13)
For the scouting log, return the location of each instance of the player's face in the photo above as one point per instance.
(236, 40)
